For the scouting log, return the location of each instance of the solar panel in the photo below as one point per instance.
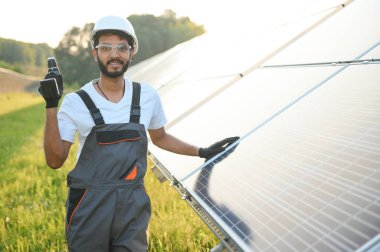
(305, 175)
(348, 33)
(308, 180)
(204, 64)
(267, 95)
(204, 56)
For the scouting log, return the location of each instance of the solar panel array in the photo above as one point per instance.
(305, 175)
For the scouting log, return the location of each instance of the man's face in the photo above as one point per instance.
(113, 55)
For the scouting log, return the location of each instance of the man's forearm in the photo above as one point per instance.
(173, 144)
(55, 153)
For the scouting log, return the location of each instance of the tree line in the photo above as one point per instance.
(155, 34)
(23, 57)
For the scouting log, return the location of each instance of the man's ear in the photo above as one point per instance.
(132, 51)
(94, 54)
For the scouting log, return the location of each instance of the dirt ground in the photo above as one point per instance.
(14, 82)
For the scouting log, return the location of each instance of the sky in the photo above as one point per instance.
(43, 21)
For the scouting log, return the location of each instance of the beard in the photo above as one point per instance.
(116, 74)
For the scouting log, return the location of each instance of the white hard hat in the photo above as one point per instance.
(115, 23)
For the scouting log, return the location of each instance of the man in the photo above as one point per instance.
(107, 206)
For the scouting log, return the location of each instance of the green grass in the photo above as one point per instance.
(32, 205)
(15, 101)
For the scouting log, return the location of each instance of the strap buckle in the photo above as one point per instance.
(135, 110)
(97, 116)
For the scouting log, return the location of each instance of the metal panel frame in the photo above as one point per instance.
(207, 217)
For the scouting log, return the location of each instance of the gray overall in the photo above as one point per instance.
(107, 206)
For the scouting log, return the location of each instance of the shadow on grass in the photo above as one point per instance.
(16, 128)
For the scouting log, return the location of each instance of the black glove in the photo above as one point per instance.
(51, 87)
(216, 148)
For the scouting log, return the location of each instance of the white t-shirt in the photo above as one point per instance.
(73, 115)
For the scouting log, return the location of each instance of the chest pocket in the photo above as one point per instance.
(117, 136)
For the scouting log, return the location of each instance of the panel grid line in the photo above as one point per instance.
(375, 193)
(319, 227)
(321, 200)
(345, 222)
(344, 141)
(314, 174)
(292, 103)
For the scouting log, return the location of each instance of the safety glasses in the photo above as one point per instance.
(120, 48)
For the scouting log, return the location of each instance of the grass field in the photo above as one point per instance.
(32, 205)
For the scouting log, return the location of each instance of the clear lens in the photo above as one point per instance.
(107, 48)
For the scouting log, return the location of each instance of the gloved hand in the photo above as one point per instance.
(51, 87)
(216, 148)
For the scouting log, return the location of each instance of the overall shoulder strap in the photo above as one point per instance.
(94, 111)
(135, 107)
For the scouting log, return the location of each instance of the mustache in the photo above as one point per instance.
(115, 60)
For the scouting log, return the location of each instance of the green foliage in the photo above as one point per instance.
(26, 57)
(32, 205)
(74, 56)
(12, 67)
(74, 52)
(158, 34)
(155, 35)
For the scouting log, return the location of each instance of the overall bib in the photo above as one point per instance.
(107, 206)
